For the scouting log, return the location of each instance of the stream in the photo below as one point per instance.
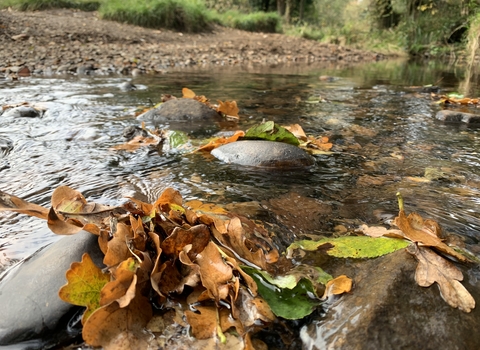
(380, 120)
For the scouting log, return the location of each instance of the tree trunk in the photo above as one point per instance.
(301, 10)
(288, 11)
(281, 7)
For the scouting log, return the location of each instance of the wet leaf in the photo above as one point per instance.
(187, 93)
(214, 272)
(122, 288)
(292, 304)
(177, 138)
(85, 282)
(379, 231)
(138, 142)
(116, 328)
(424, 232)
(12, 203)
(352, 246)
(297, 130)
(229, 108)
(338, 285)
(318, 145)
(433, 268)
(221, 141)
(271, 131)
(117, 250)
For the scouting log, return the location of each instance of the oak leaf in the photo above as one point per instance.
(423, 232)
(221, 141)
(433, 268)
(12, 203)
(122, 288)
(116, 328)
(229, 108)
(85, 282)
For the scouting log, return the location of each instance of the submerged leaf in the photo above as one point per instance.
(85, 282)
(433, 268)
(292, 304)
(352, 246)
(271, 131)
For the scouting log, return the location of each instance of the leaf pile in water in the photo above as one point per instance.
(199, 256)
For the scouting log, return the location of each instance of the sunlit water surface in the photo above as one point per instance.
(383, 129)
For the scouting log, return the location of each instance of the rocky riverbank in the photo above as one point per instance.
(70, 41)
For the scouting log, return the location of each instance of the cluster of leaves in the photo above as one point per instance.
(459, 100)
(202, 255)
(421, 237)
(269, 130)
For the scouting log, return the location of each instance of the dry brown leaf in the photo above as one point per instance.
(122, 288)
(214, 272)
(12, 203)
(117, 250)
(433, 268)
(297, 130)
(380, 231)
(62, 227)
(137, 142)
(168, 197)
(187, 93)
(198, 236)
(415, 230)
(229, 108)
(220, 141)
(116, 328)
(339, 285)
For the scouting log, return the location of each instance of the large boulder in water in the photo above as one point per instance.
(31, 307)
(458, 117)
(388, 310)
(183, 114)
(266, 154)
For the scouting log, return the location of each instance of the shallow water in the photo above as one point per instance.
(384, 132)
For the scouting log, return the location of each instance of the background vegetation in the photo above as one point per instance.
(430, 28)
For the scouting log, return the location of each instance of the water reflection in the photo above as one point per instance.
(382, 127)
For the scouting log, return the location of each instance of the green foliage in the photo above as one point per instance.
(352, 246)
(267, 22)
(292, 301)
(271, 132)
(37, 5)
(182, 15)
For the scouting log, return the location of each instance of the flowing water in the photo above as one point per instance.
(382, 125)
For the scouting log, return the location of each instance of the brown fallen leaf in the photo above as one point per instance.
(187, 93)
(433, 268)
(416, 230)
(12, 203)
(122, 288)
(339, 285)
(297, 130)
(220, 141)
(229, 108)
(380, 231)
(116, 328)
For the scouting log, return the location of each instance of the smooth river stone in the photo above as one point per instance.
(30, 305)
(266, 154)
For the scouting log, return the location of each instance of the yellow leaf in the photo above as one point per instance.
(187, 93)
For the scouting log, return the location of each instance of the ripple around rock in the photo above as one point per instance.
(266, 154)
(31, 307)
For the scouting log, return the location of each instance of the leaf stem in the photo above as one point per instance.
(400, 201)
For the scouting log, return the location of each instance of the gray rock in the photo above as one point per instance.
(263, 154)
(22, 111)
(29, 298)
(388, 310)
(127, 86)
(181, 114)
(448, 116)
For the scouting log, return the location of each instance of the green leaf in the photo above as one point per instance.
(271, 132)
(85, 282)
(352, 246)
(291, 303)
(177, 138)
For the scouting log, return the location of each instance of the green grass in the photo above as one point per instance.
(182, 15)
(37, 5)
(269, 22)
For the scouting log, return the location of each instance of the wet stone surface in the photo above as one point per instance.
(265, 154)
